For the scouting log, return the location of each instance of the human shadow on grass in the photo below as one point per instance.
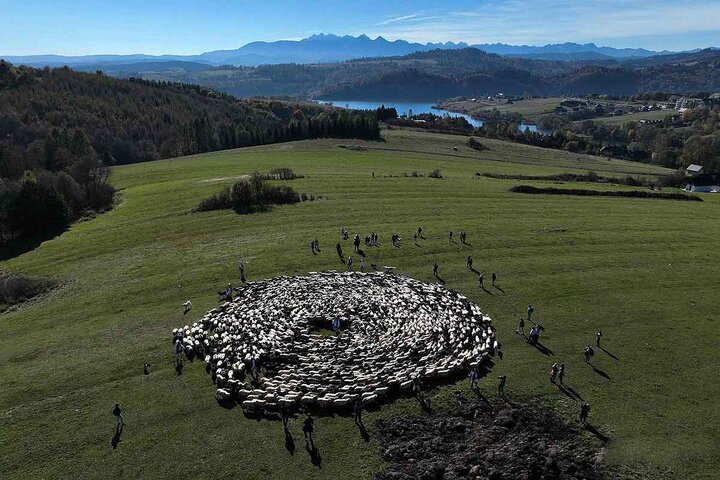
(600, 372)
(569, 391)
(440, 279)
(363, 431)
(609, 354)
(486, 290)
(601, 436)
(499, 288)
(116, 436)
(289, 442)
(179, 365)
(474, 270)
(480, 397)
(542, 349)
(361, 252)
(314, 453)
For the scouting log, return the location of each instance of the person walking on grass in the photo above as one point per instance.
(584, 412)
(241, 267)
(530, 312)
(481, 278)
(561, 374)
(521, 327)
(553, 372)
(415, 239)
(357, 409)
(435, 269)
(494, 278)
(598, 335)
(473, 377)
(420, 232)
(178, 350)
(588, 353)
(349, 263)
(308, 429)
(450, 236)
(468, 262)
(285, 414)
(117, 411)
(501, 385)
(362, 265)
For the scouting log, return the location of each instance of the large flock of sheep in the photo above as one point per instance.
(277, 343)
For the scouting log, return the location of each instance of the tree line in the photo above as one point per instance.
(61, 129)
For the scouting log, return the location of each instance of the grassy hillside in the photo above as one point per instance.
(630, 267)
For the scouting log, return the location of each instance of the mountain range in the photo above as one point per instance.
(328, 48)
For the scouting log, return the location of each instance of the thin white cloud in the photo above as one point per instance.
(397, 19)
(556, 21)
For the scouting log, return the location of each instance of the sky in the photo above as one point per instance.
(84, 27)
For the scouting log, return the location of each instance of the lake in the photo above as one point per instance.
(403, 108)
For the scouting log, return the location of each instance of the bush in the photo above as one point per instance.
(15, 290)
(474, 144)
(249, 195)
(283, 174)
(435, 174)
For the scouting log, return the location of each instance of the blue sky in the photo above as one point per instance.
(80, 27)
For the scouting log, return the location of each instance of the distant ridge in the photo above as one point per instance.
(329, 48)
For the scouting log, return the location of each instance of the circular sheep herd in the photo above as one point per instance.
(393, 332)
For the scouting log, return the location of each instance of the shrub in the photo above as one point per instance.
(435, 174)
(15, 289)
(474, 144)
(249, 195)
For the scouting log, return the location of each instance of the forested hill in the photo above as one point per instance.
(461, 72)
(127, 121)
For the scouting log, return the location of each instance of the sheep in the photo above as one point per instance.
(394, 330)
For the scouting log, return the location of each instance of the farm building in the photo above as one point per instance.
(704, 183)
(693, 170)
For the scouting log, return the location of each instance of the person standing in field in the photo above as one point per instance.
(415, 239)
(473, 377)
(435, 269)
(530, 312)
(482, 281)
(598, 335)
(521, 327)
(349, 263)
(420, 232)
(501, 385)
(362, 265)
(241, 267)
(469, 262)
(588, 353)
(584, 412)
(117, 411)
(561, 374)
(450, 236)
(494, 278)
(553, 372)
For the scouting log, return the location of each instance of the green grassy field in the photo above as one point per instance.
(643, 271)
